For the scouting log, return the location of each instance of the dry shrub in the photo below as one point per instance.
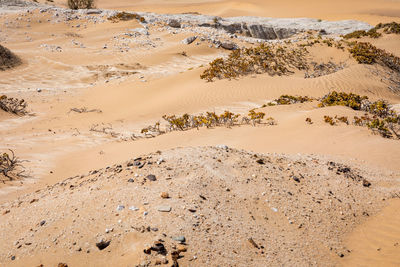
(13, 105)
(125, 16)
(80, 4)
(8, 59)
(9, 164)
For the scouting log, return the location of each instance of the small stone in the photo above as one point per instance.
(260, 161)
(229, 46)
(295, 178)
(12, 257)
(103, 244)
(109, 230)
(181, 248)
(120, 207)
(42, 223)
(180, 238)
(274, 209)
(164, 195)
(133, 208)
(38, 90)
(151, 177)
(366, 183)
(164, 208)
(62, 265)
(130, 180)
(222, 147)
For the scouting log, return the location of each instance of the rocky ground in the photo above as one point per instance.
(274, 210)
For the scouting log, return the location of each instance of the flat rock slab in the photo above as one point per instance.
(164, 208)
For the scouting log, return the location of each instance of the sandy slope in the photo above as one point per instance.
(134, 81)
(215, 195)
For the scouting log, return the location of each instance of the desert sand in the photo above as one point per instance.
(90, 83)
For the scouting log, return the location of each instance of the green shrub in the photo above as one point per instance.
(334, 98)
(366, 53)
(392, 27)
(274, 60)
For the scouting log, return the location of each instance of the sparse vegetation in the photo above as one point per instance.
(271, 59)
(366, 53)
(384, 120)
(358, 34)
(8, 59)
(392, 27)
(309, 121)
(80, 4)
(13, 105)
(125, 16)
(330, 120)
(388, 28)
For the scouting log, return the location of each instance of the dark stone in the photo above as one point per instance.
(366, 183)
(260, 161)
(130, 180)
(102, 244)
(174, 23)
(297, 179)
(151, 177)
(229, 46)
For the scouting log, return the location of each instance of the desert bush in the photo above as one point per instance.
(392, 27)
(125, 16)
(358, 34)
(366, 53)
(309, 121)
(80, 4)
(330, 120)
(334, 98)
(289, 99)
(8, 59)
(274, 60)
(13, 105)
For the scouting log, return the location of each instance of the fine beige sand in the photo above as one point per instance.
(134, 83)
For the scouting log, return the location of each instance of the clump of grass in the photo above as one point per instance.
(309, 121)
(125, 16)
(274, 60)
(8, 59)
(80, 4)
(366, 53)
(13, 105)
